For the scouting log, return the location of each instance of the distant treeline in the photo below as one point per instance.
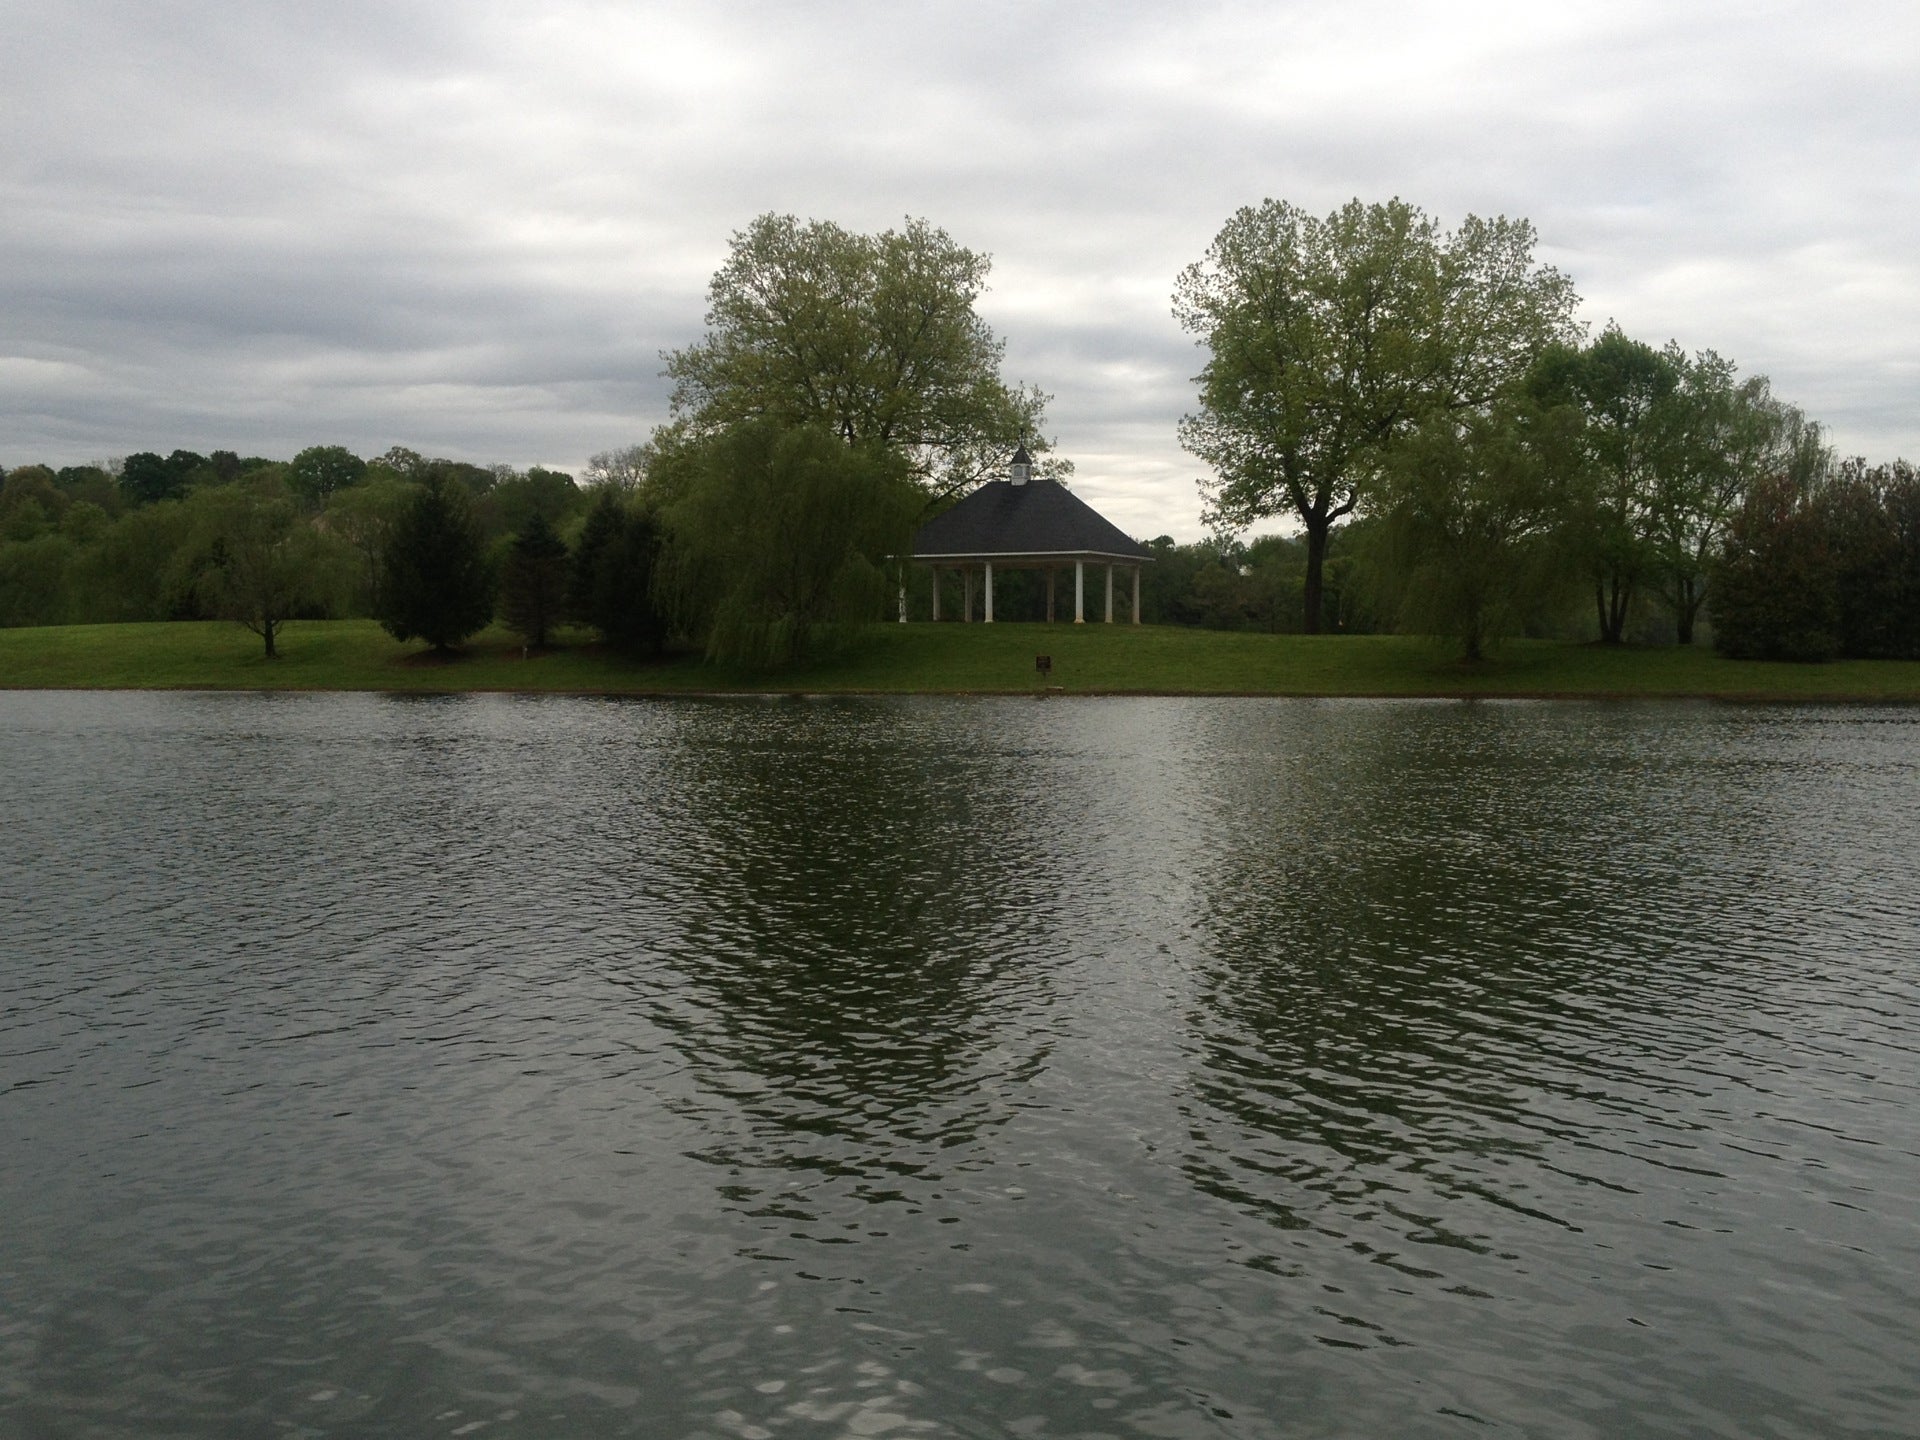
(1818, 564)
(752, 543)
(142, 538)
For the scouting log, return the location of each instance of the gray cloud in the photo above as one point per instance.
(472, 228)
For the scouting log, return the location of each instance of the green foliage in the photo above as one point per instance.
(1814, 569)
(1775, 592)
(1669, 446)
(133, 573)
(615, 581)
(35, 580)
(437, 584)
(146, 478)
(1330, 339)
(320, 472)
(364, 518)
(533, 582)
(873, 338)
(31, 503)
(1473, 504)
(786, 534)
(266, 565)
(1618, 387)
(147, 549)
(92, 484)
(516, 501)
(84, 523)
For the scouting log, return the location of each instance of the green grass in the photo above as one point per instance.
(1090, 659)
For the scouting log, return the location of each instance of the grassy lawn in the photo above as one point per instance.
(1090, 659)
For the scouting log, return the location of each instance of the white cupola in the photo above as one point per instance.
(1020, 469)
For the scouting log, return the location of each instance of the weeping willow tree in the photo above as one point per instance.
(1474, 522)
(782, 538)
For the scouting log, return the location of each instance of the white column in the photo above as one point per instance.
(903, 601)
(936, 594)
(1079, 592)
(1136, 594)
(1109, 595)
(989, 592)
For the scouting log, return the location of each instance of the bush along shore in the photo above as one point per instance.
(951, 658)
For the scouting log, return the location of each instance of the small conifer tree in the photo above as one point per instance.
(439, 585)
(533, 582)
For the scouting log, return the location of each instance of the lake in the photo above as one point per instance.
(508, 1066)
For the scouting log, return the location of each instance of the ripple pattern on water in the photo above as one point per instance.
(771, 1068)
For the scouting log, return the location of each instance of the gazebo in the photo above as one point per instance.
(1022, 523)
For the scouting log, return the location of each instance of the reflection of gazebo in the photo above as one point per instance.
(1021, 523)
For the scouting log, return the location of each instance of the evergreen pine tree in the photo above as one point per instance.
(611, 587)
(439, 584)
(534, 581)
(605, 521)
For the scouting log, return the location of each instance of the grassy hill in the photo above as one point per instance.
(950, 658)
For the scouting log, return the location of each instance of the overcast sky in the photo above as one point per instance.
(471, 228)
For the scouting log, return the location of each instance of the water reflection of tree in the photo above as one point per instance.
(856, 939)
(1432, 979)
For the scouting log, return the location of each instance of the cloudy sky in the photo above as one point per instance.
(471, 228)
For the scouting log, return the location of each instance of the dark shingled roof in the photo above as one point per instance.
(1041, 517)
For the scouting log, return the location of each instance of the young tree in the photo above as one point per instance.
(1329, 339)
(438, 585)
(268, 565)
(871, 337)
(533, 582)
(826, 519)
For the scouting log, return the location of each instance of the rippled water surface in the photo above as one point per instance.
(538, 1067)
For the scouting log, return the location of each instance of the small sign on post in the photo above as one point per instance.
(1044, 665)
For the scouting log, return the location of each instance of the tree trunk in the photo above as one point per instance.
(1613, 596)
(1688, 607)
(1316, 567)
(266, 632)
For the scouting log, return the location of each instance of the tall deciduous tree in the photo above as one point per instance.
(1330, 338)
(1717, 436)
(872, 337)
(1622, 389)
(437, 583)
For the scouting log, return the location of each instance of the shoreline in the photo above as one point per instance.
(1728, 697)
(953, 660)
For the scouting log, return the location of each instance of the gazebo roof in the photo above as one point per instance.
(1039, 518)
